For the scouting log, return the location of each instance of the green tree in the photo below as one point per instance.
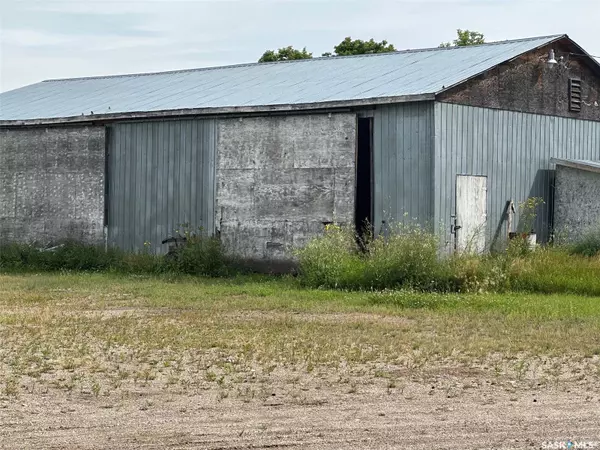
(285, 54)
(465, 38)
(351, 46)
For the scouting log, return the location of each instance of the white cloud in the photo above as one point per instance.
(25, 37)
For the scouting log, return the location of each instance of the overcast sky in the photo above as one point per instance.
(71, 38)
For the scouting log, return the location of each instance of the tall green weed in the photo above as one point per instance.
(200, 255)
(406, 257)
(588, 244)
(409, 258)
(332, 260)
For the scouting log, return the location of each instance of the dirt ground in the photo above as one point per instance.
(444, 412)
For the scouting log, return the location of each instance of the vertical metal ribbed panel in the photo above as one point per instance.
(160, 175)
(513, 150)
(402, 164)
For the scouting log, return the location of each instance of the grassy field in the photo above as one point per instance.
(103, 337)
(103, 329)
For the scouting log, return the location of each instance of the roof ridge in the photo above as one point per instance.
(298, 61)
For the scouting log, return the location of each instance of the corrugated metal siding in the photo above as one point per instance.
(513, 150)
(410, 72)
(160, 175)
(402, 163)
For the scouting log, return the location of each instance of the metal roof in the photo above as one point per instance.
(398, 76)
(581, 164)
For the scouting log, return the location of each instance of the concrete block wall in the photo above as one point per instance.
(52, 185)
(280, 178)
(576, 202)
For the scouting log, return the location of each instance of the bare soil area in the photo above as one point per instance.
(442, 412)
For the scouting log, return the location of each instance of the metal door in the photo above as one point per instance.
(471, 213)
(161, 174)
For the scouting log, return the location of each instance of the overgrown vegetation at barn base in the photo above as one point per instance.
(556, 270)
(338, 260)
(200, 255)
(589, 243)
(407, 258)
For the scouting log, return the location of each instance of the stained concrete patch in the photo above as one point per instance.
(279, 179)
(577, 202)
(52, 184)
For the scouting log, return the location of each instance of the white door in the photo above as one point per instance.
(471, 213)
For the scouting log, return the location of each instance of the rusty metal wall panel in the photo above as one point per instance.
(402, 164)
(513, 150)
(160, 175)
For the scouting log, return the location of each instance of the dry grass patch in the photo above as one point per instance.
(106, 337)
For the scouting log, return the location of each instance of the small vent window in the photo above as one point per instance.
(574, 95)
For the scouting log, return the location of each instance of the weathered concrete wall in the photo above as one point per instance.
(526, 84)
(280, 178)
(576, 202)
(52, 184)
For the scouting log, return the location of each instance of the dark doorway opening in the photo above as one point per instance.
(364, 178)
